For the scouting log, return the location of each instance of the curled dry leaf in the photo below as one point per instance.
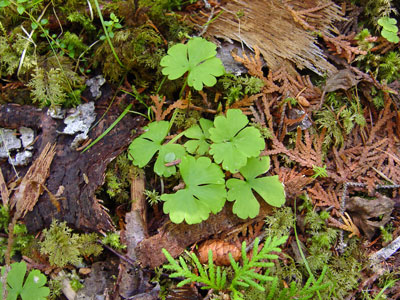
(369, 215)
(220, 250)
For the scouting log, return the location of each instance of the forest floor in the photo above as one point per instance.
(136, 132)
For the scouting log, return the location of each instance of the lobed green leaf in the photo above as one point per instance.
(233, 142)
(204, 191)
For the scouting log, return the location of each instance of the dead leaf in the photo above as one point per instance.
(368, 214)
(31, 187)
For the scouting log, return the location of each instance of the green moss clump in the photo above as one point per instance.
(344, 114)
(236, 87)
(139, 49)
(280, 222)
(55, 83)
(118, 179)
(64, 247)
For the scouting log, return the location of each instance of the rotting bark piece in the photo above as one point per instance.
(176, 237)
(32, 185)
(80, 174)
(276, 28)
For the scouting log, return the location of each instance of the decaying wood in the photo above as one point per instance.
(3, 190)
(277, 27)
(32, 185)
(133, 280)
(79, 174)
(176, 237)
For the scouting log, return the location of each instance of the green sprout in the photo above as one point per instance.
(319, 172)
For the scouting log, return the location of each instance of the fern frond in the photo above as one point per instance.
(212, 278)
(245, 275)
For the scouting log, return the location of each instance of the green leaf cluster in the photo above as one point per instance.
(111, 25)
(197, 58)
(31, 288)
(11, 48)
(231, 143)
(241, 191)
(389, 29)
(64, 247)
(244, 275)
(113, 239)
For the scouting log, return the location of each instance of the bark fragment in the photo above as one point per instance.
(79, 174)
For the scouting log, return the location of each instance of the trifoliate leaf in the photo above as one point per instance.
(233, 141)
(241, 191)
(204, 191)
(33, 288)
(197, 57)
(199, 136)
(143, 148)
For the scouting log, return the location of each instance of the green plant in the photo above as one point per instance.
(241, 191)
(111, 25)
(31, 288)
(387, 233)
(319, 172)
(340, 119)
(244, 275)
(389, 29)
(153, 197)
(63, 247)
(197, 58)
(21, 238)
(113, 239)
(143, 148)
(106, 32)
(233, 141)
(235, 87)
(199, 135)
(20, 5)
(280, 222)
(307, 291)
(204, 191)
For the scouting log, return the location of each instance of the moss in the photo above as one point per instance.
(118, 179)
(140, 51)
(64, 247)
(54, 83)
(280, 222)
